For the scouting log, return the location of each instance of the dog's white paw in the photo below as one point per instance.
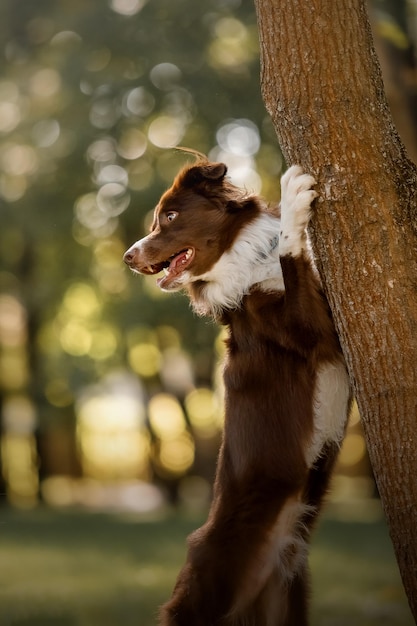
(296, 198)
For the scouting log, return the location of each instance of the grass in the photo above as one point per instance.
(72, 568)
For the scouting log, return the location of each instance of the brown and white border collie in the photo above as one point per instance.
(286, 386)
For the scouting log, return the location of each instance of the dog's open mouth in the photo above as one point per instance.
(172, 267)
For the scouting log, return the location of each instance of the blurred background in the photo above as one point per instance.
(110, 390)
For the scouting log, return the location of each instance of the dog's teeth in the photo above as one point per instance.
(166, 271)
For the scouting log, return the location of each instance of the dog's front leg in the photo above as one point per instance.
(307, 314)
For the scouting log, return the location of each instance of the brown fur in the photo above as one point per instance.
(266, 496)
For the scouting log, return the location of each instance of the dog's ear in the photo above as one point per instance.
(207, 172)
(214, 171)
(245, 204)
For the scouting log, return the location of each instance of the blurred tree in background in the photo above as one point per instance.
(101, 375)
(395, 26)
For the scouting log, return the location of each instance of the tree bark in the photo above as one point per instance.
(322, 86)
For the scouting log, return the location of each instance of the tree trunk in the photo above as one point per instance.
(322, 86)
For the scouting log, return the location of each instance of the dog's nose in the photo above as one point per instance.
(129, 256)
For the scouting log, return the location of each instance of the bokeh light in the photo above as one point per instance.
(90, 116)
(113, 441)
(239, 137)
(145, 359)
(176, 455)
(232, 46)
(203, 411)
(165, 76)
(139, 101)
(127, 7)
(166, 131)
(174, 452)
(18, 450)
(166, 416)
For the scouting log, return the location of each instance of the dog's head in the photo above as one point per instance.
(194, 223)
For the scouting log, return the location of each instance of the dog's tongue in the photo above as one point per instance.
(176, 266)
(177, 262)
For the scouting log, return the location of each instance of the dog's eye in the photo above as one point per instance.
(171, 216)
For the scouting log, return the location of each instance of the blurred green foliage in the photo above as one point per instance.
(94, 97)
(84, 86)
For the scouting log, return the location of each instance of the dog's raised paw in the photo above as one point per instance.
(296, 198)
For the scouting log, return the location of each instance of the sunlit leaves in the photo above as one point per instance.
(174, 452)
(58, 393)
(175, 456)
(19, 464)
(46, 132)
(238, 142)
(127, 7)
(96, 211)
(141, 174)
(89, 215)
(145, 359)
(18, 162)
(165, 76)
(13, 332)
(79, 327)
(132, 144)
(98, 59)
(204, 412)
(93, 99)
(112, 197)
(45, 84)
(14, 371)
(232, 46)
(111, 435)
(166, 131)
(107, 270)
(18, 159)
(10, 106)
(138, 101)
(166, 416)
(240, 137)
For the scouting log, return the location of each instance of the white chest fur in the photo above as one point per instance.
(253, 259)
(331, 399)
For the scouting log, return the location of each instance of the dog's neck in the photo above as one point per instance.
(252, 260)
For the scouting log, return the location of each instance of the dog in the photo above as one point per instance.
(287, 392)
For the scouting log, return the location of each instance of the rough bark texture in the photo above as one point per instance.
(322, 86)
